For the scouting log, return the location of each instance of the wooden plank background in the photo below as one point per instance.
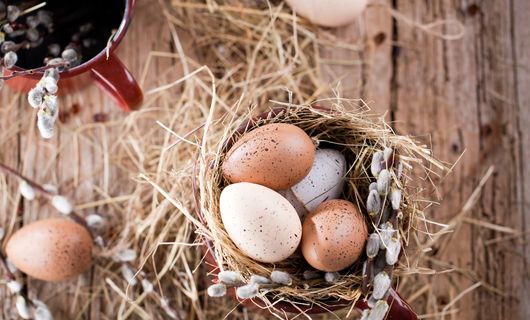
(469, 95)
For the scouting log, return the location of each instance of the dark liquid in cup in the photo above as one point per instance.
(69, 16)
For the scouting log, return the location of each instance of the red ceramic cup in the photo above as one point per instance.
(399, 308)
(108, 72)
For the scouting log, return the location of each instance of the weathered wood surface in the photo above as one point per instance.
(468, 95)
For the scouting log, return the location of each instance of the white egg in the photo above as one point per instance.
(260, 222)
(325, 180)
(328, 13)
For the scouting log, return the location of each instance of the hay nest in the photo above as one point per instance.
(346, 126)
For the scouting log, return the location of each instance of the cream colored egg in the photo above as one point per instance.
(325, 180)
(260, 222)
(328, 13)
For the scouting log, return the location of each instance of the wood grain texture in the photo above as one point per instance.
(465, 96)
(74, 159)
(469, 96)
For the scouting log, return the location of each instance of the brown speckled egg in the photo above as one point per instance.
(333, 236)
(51, 249)
(276, 155)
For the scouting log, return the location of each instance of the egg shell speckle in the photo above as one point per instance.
(329, 13)
(51, 249)
(261, 223)
(325, 180)
(333, 236)
(276, 155)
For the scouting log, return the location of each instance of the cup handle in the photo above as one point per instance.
(114, 78)
(399, 308)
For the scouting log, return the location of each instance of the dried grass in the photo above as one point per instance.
(256, 53)
(349, 127)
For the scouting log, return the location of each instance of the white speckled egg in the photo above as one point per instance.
(329, 13)
(261, 223)
(325, 180)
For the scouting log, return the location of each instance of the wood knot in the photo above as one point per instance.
(379, 38)
(473, 9)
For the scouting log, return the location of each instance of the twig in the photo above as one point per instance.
(49, 195)
(32, 71)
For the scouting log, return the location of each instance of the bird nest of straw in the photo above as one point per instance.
(352, 130)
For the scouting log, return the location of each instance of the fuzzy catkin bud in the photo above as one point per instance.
(257, 279)
(69, 55)
(386, 233)
(26, 190)
(62, 204)
(147, 286)
(373, 186)
(383, 182)
(13, 12)
(32, 21)
(42, 312)
(365, 314)
(395, 198)
(54, 49)
(95, 221)
(50, 83)
(372, 246)
(281, 277)
(393, 249)
(14, 286)
(125, 255)
(331, 277)
(10, 59)
(7, 46)
(233, 278)
(128, 275)
(247, 291)
(7, 28)
(381, 285)
(379, 311)
(376, 166)
(50, 103)
(373, 203)
(22, 308)
(45, 124)
(53, 73)
(217, 290)
(35, 97)
(2, 233)
(32, 35)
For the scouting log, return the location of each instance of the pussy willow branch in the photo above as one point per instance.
(32, 71)
(10, 276)
(41, 190)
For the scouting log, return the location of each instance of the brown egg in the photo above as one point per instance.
(333, 236)
(276, 155)
(51, 249)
